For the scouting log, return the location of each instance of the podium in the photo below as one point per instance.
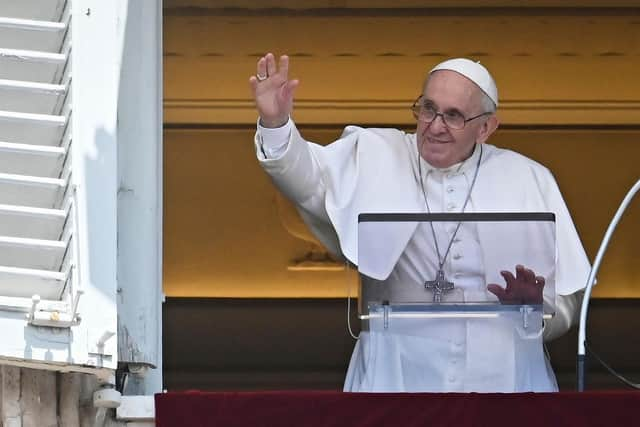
(425, 307)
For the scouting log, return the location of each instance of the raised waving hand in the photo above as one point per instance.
(273, 91)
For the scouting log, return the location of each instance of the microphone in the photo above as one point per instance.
(590, 281)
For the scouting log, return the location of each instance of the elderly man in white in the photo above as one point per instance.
(445, 166)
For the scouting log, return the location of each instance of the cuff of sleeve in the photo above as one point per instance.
(274, 140)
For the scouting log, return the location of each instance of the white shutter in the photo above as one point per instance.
(36, 228)
(58, 183)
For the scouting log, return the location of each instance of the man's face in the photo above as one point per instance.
(439, 145)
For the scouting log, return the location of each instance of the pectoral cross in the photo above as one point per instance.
(438, 286)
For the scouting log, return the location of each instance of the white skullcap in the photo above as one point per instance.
(474, 72)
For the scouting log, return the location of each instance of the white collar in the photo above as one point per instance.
(464, 166)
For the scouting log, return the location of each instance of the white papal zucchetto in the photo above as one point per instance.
(474, 71)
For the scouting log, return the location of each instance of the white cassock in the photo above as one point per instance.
(376, 171)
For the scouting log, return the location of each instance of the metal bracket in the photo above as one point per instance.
(53, 319)
(385, 314)
(526, 310)
(98, 350)
(529, 326)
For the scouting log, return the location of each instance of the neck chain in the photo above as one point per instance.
(440, 284)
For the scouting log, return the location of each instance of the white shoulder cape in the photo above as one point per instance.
(375, 171)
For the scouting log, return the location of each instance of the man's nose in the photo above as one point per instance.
(438, 125)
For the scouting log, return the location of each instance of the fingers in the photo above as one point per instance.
(271, 64)
(284, 66)
(524, 274)
(272, 91)
(253, 83)
(498, 291)
(266, 67)
(529, 276)
(261, 67)
(508, 278)
(523, 288)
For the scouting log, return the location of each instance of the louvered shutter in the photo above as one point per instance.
(58, 183)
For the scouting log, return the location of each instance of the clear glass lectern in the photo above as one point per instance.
(426, 267)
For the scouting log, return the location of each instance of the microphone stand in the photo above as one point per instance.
(592, 275)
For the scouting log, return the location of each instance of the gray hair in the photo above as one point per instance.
(487, 104)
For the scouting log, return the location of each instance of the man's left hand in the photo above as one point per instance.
(524, 288)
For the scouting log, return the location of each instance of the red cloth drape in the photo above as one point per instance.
(195, 409)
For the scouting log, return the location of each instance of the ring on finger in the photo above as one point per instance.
(261, 77)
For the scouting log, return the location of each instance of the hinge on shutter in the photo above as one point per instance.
(54, 319)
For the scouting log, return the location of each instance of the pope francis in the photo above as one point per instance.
(446, 166)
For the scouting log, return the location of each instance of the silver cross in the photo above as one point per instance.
(438, 286)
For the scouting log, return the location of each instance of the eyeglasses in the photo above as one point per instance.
(452, 119)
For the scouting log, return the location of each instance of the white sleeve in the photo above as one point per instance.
(572, 268)
(273, 141)
(567, 315)
(297, 173)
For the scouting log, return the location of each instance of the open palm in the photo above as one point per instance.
(273, 91)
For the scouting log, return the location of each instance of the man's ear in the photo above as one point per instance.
(489, 127)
